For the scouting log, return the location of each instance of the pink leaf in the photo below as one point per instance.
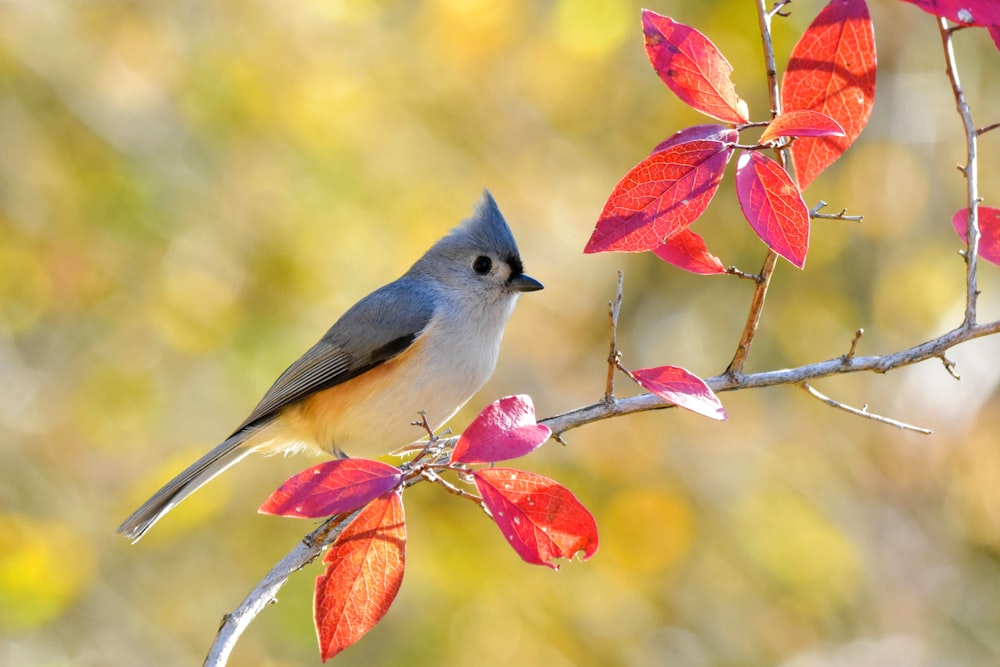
(660, 196)
(682, 388)
(831, 70)
(687, 250)
(541, 519)
(773, 206)
(969, 12)
(989, 230)
(691, 66)
(332, 487)
(699, 133)
(506, 429)
(364, 570)
(801, 123)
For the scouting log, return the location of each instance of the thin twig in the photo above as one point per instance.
(614, 355)
(970, 169)
(989, 128)
(854, 345)
(815, 214)
(863, 412)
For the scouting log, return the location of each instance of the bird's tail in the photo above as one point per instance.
(230, 451)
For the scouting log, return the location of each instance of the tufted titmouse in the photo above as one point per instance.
(427, 341)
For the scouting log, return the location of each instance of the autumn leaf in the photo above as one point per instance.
(968, 12)
(505, 429)
(801, 123)
(773, 206)
(693, 68)
(681, 388)
(994, 31)
(660, 196)
(364, 569)
(332, 487)
(686, 250)
(989, 230)
(541, 519)
(831, 70)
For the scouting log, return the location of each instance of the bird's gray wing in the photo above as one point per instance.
(374, 330)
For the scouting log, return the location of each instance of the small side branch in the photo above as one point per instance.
(815, 214)
(862, 412)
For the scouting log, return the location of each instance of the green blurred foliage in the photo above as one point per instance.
(191, 192)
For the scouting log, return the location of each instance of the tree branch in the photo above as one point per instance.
(863, 412)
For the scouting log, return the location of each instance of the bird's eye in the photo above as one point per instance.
(482, 265)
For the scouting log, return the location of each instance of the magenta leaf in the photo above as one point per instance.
(968, 12)
(989, 230)
(773, 206)
(682, 388)
(505, 429)
(332, 487)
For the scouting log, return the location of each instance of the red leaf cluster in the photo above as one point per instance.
(827, 95)
(540, 518)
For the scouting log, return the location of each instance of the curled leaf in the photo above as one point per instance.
(686, 250)
(505, 429)
(682, 388)
(801, 123)
(541, 519)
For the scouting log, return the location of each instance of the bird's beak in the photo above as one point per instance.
(524, 283)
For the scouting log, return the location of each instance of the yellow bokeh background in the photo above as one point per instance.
(192, 192)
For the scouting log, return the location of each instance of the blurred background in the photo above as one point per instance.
(192, 192)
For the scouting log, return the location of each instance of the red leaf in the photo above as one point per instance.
(541, 519)
(332, 487)
(832, 70)
(660, 196)
(682, 388)
(989, 230)
(773, 206)
(801, 123)
(686, 250)
(721, 133)
(969, 12)
(691, 66)
(506, 429)
(364, 568)
(994, 31)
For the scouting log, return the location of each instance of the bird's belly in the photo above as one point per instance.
(373, 414)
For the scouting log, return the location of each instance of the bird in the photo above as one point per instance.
(424, 343)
